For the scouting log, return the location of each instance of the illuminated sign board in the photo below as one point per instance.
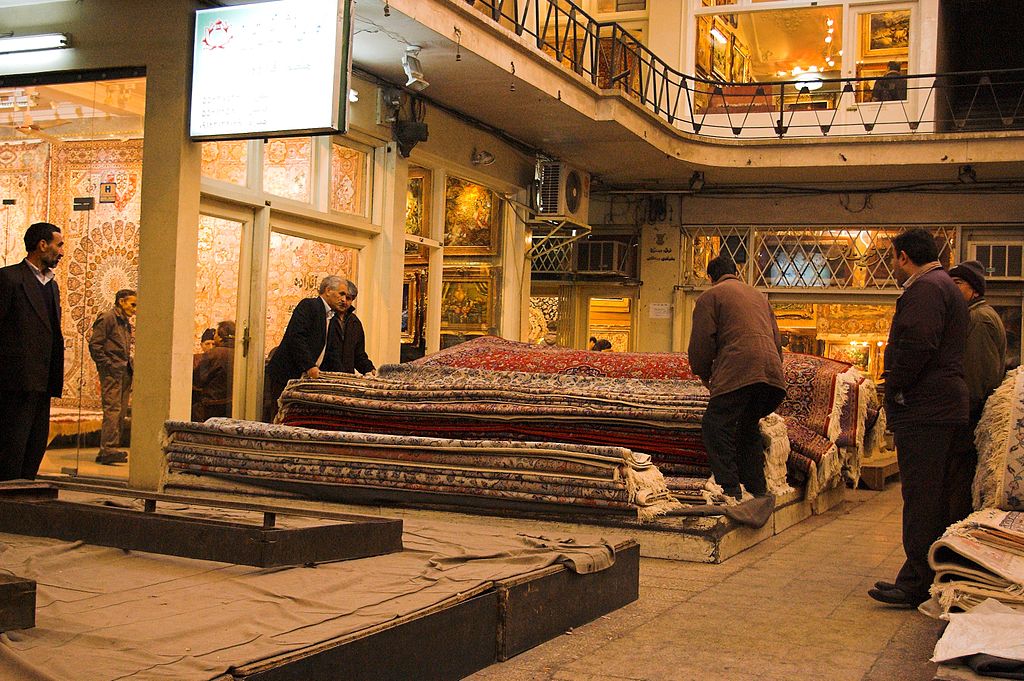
(271, 69)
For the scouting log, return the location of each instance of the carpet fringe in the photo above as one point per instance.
(992, 440)
(647, 489)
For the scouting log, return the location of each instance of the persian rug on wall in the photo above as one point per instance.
(478, 473)
(999, 437)
(661, 418)
(978, 558)
(101, 246)
(24, 170)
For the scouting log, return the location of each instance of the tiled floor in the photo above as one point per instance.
(63, 461)
(792, 607)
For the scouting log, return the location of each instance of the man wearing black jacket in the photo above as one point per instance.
(925, 404)
(323, 334)
(31, 352)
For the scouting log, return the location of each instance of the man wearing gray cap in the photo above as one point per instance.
(984, 367)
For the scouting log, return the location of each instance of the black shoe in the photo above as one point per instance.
(111, 456)
(885, 586)
(896, 596)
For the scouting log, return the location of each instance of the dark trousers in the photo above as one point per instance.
(24, 433)
(925, 455)
(116, 392)
(272, 389)
(732, 436)
(963, 464)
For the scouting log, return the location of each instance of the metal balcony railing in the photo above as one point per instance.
(611, 58)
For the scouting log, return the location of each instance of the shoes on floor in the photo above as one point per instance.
(111, 456)
(896, 596)
(885, 586)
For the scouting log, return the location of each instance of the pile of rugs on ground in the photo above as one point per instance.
(979, 562)
(494, 424)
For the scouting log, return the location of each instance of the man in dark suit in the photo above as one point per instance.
(31, 352)
(323, 334)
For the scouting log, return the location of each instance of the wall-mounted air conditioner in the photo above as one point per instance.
(602, 257)
(1003, 260)
(563, 192)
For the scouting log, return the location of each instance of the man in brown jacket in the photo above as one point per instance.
(736, 351)
(110, 346)
(925, 404)
(984, 368)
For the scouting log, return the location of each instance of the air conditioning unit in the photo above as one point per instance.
(602, 257)
(1003, 260)
(563, 192)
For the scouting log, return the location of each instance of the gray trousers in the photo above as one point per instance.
(116, 390)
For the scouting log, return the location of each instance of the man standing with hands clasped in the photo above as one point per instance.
(736, 351)
(110, 346)
(31, 352)
(323, 334)
(925, 404)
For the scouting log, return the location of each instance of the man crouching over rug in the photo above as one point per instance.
(925, 404)
(736, 351)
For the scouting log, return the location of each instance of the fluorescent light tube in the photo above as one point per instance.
(30, 43)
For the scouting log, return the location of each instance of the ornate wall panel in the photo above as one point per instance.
(23, 177)
(226, 161)
(101, 247)
(288, 167)
(348, 180)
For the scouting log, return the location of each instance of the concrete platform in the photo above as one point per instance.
(708, 539)
(877, 471)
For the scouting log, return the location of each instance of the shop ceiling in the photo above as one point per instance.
(67, 111)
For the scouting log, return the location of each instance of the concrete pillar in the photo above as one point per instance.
(167, 253)
(659, 270)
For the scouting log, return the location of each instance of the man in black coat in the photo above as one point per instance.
(31, 352)
(925, 403)
(323, 334)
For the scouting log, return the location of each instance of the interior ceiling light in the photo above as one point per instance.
(33, 43)
(808, 81)
(413, 69)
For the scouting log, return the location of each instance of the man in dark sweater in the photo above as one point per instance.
(323, 334)
(925, 402)
(31, 352)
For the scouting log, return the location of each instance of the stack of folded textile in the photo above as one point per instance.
(831, 411)
(476, 473)
(661, 418)
(978, 558)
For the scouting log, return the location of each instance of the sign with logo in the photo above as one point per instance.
(271, 69)
(107, 192)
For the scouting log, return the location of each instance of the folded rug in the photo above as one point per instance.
(999, 437)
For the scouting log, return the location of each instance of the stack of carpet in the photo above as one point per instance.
(373, 468)
(978, 558)
(661, 417)
(983, 556)
(831, 412)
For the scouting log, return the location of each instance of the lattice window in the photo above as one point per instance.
(807, 257)
(552, 258)
(833, 258)
(708, 242)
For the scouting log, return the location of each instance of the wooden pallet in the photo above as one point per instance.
(875, 472)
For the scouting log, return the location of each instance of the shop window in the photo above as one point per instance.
(469, 288)
(417, 270)
(288, 168)
(226, 161)
(217, 263)
(57, 143)
(853, 333)
(711, 241)
(611, 319)
(883, 49)
(348, 190)
(296, 266)
(791, 45)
